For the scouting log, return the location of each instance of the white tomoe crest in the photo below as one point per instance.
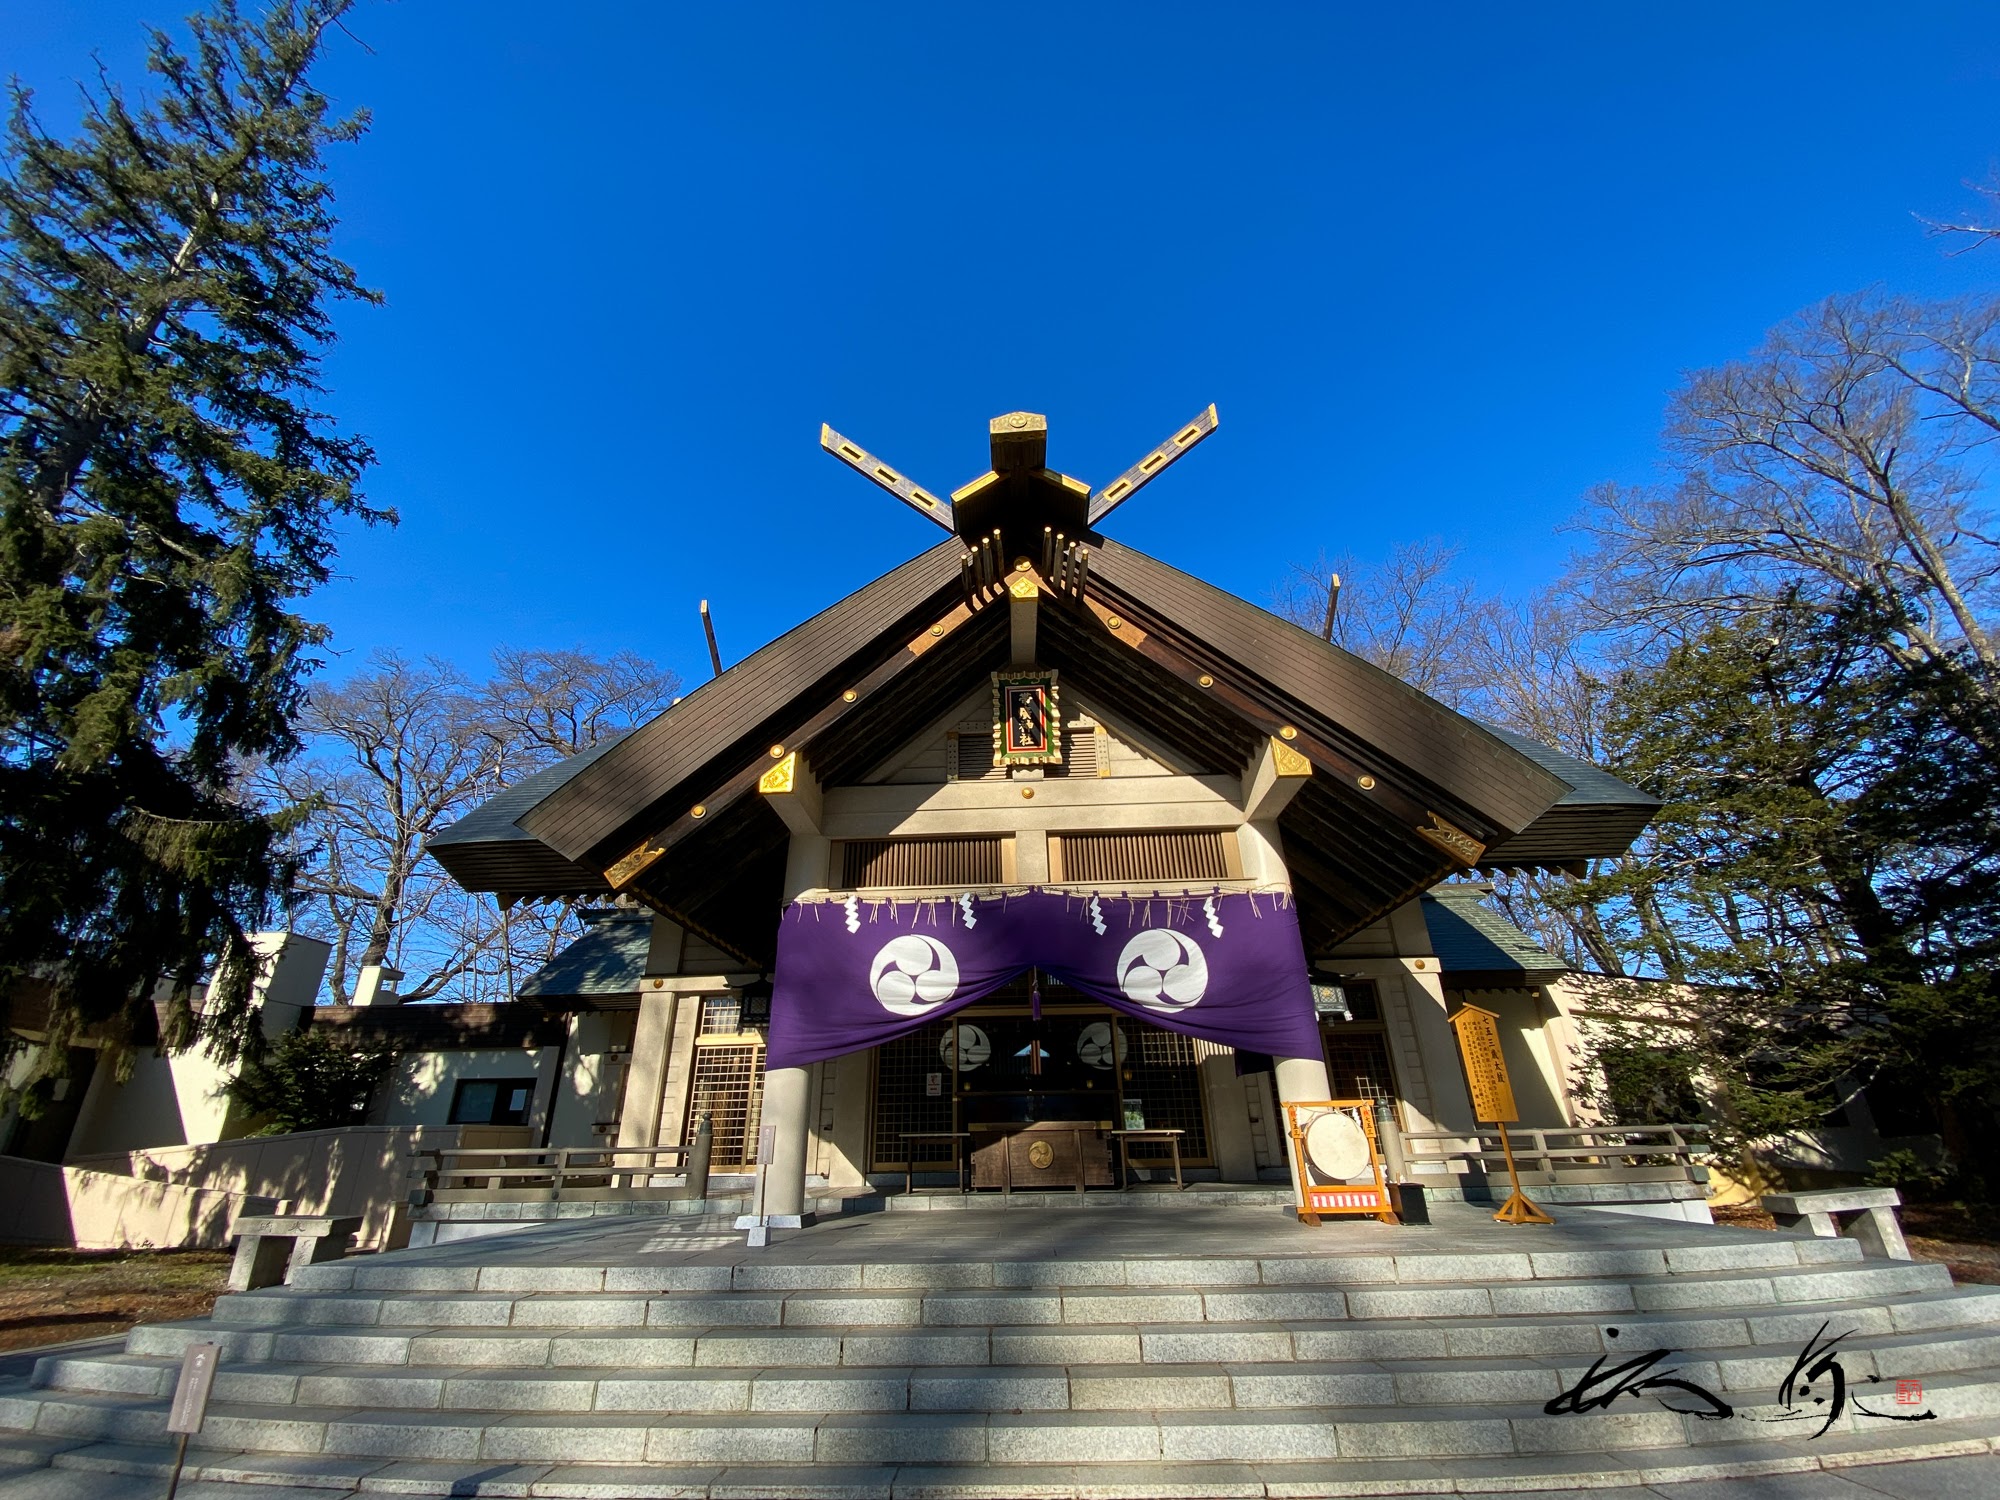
(912, 975)
(1163, 970)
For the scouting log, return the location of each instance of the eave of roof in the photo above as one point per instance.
(1598, 817)
(553, 832)
(722, 718)
(1457, 755)
(608, 959)
(1472, 941)
(486, 850)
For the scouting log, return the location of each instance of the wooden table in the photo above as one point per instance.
(910, 1159)
(1125, 1139)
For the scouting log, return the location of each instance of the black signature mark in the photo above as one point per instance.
(1644, 1375)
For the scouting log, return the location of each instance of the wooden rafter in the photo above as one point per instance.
(624, 870)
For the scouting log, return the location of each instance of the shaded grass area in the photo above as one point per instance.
(54, 1296)
(1963, 1238)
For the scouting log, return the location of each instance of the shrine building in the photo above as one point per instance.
(1032, 840)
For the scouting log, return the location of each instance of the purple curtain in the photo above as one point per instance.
(1225, 968)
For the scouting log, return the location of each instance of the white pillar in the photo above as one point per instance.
(787, 1097)
(1300, 1078)
(788, 1091)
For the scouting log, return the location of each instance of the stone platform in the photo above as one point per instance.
(1192, 1347)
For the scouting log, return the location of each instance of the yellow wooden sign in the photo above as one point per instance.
(1493, 1100)
(1485, 1067)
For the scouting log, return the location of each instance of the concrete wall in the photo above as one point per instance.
(77, 1208)
(592, 1077)
(162, 1195)
(419, 1089)
(178, 1099)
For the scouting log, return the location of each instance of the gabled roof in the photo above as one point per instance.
(609, 959)
(1475, 945)
(1598, 816)
(673, 808)
(486, 850)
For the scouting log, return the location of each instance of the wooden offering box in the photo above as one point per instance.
(1045, 1155)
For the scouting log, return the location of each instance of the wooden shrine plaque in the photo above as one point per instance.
(1485, 1066)
(1046, 1154)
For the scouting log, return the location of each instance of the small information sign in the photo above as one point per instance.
(767, 1144)
(190, 1405)
(1485, 1066)
(933, 1085)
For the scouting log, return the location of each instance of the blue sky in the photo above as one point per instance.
(1438, 267)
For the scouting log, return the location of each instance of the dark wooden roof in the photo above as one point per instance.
(723, 718)
(1352, 848)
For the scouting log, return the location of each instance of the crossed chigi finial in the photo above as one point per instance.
(1020, 498)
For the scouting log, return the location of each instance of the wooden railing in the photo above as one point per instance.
(1598, 1153)
(565, 1173)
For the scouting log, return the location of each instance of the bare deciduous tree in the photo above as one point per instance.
(1409, 614)
(401, 751)
(1842, 460)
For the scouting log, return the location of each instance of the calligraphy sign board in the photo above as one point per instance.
(1337, 1159)
(1485, 1066)
(1027, 719)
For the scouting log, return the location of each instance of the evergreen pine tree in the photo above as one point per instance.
(168, 491)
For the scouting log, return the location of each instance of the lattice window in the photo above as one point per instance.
(1118, 857)
(728, 1082)
(1357, 1066)
(954, 863)
(903, 1069)
(1165, 1081)
(721, 1015)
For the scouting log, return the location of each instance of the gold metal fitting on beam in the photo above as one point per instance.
(1288, 733)
(698, 811)
(777, 752)
(1366, 783)
(849, 696)
(1205, 680)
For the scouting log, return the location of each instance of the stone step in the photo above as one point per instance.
(1957, 1451)
(1097, 1437)
(411, 1273)
(987, 1387)
(1175, 1302)
(1707, 1329)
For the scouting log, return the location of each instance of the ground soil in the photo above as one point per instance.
(1966, 1240)
(55, 1296)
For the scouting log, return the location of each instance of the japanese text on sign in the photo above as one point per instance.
(1485, 1067)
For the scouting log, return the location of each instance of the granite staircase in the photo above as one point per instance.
(1410, 1366)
